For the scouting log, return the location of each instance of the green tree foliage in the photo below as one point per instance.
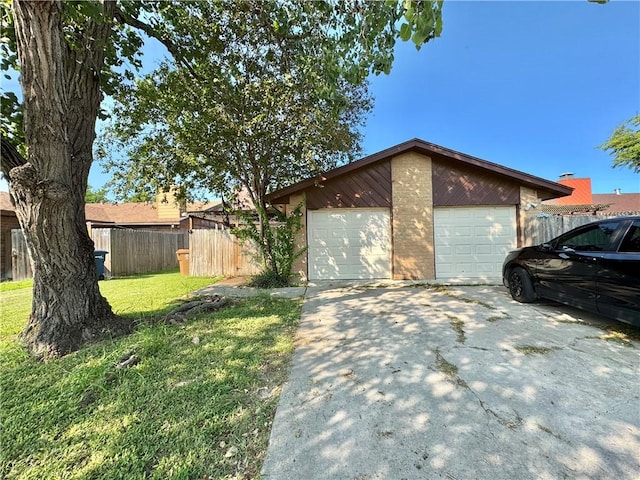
(282, 233)
(96, 196)
(624, 145)
(70, 53)
(11, 126)
(272, 92)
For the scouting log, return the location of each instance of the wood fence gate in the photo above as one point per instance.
(218, 252)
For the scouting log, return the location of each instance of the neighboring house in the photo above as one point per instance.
(8, 222)
(162, 215)
(583, 202)
(413, 211)
(619, 203)
(165, 214)
(223, 214)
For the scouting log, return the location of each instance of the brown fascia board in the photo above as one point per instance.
(546, 188)
(98, 223)
(149, 224)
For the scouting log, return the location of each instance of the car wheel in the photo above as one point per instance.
(520, 286)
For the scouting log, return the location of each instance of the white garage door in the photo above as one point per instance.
(472, 242)
(348, 244)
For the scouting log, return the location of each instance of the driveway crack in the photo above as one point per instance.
(451, 371)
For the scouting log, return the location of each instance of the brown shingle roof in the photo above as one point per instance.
(125, 213)
(623, 202)
(121, 213)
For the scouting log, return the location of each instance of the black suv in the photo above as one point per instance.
(594, 267)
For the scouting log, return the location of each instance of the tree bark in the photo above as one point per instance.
(61, 90)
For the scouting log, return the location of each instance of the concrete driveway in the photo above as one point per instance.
(457, 383)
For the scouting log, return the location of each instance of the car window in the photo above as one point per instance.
(593, 239)
(631, 242)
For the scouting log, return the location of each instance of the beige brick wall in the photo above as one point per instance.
(413, 252)
(300, 265)
(527, 195)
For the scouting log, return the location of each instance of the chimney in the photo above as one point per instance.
(167, 204)
(617, 191)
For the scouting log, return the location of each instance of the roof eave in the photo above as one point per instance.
(546, 188)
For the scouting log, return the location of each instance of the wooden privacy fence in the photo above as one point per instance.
(20, 263)
(138, 251)
(218, 252)
(130, 251)
(538, 230)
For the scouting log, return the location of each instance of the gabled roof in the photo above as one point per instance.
(546, 188)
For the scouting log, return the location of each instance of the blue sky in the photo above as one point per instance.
(533, 86)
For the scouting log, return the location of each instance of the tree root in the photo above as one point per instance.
(180, 314)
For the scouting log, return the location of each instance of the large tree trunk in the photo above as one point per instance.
(61, 90)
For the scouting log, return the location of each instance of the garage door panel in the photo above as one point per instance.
(463, 249)
(472, 242)
(486, 268)
(462, 231)
(484, 249)
(357, 245)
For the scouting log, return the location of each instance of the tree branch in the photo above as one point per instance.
(125, 18)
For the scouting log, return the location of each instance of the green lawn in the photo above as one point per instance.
(197, 405)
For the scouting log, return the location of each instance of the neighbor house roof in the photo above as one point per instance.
(546, 188)
(125, 213)
(621, 202)
(120, 213)
(5, 202)
(135, 213)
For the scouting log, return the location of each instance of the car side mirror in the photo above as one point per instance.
(546, 247)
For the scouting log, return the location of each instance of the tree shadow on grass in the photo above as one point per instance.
(199, 401)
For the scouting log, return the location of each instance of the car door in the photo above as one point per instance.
(569, 271)
(618, 281)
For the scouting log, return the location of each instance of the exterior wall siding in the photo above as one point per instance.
(366, 188)
(412, 217)
(460, 185)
